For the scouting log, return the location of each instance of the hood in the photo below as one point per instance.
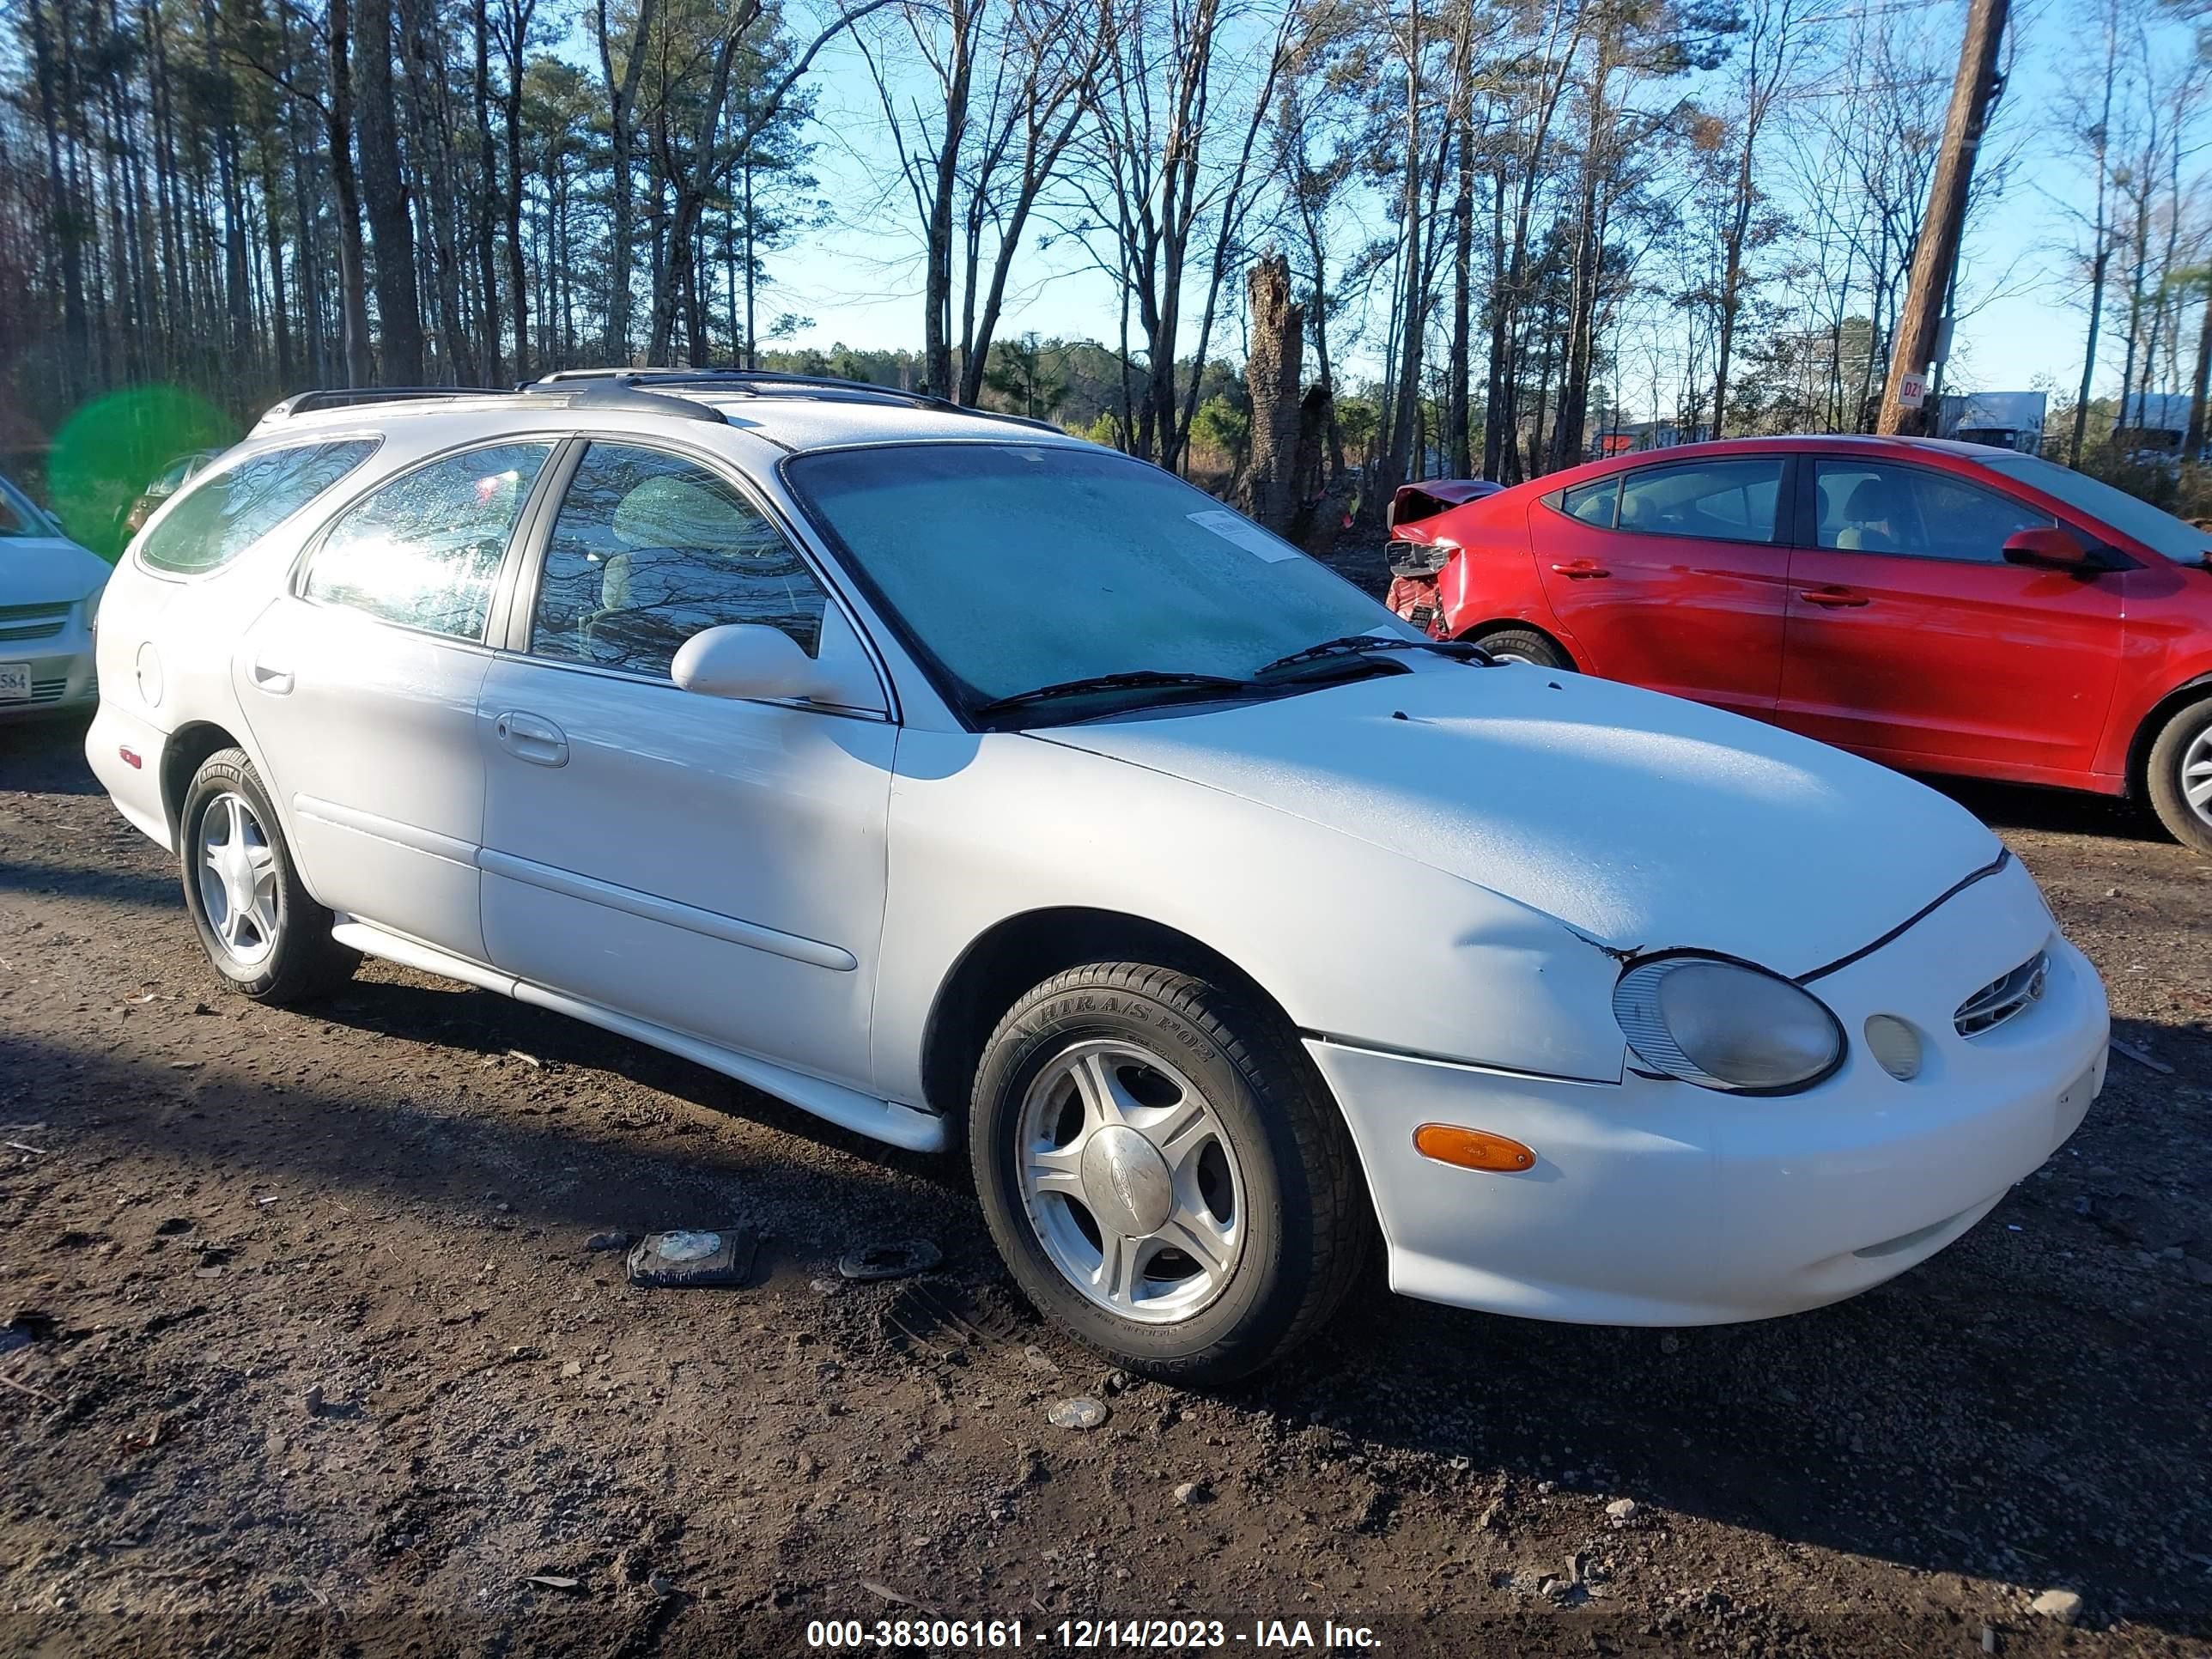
(47, 570)
(1642, 821)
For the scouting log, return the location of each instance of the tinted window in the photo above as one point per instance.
(424, 550)
(1717, 500)
(1592, 503)
(650, 549)
(227, 513)
(1877, 507)
(2161, 531)
(1019, 565)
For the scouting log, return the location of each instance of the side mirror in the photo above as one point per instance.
(754, 662)
(2047, 547)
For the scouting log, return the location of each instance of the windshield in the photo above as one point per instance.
(1015, 566)
(2130, 515)
(18, 517)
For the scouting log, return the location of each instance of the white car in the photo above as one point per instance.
(958, 780)
(49, 594)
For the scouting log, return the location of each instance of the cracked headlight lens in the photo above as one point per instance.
(1726, 1025)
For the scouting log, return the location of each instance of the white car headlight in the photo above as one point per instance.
(1726, 1025)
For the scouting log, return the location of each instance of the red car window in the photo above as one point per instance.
(1875, 507)
(1714, 500)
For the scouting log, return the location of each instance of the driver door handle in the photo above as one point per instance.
(532, 737)
(277, 682)
(1833, 598)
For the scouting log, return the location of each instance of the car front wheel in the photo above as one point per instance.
(265, 934)
(2180, 777)
(1163, 1172)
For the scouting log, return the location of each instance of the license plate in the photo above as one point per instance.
(15, 682)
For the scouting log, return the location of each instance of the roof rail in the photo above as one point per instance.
(623, 397)
(303, 403)
(752, 382)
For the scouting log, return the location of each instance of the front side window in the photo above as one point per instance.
(424, 550)
(650, 549)
(1877, 507)
(227, 512)
(1014, 565)
(1713, 500)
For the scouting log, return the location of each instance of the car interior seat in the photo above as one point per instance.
(687, 560)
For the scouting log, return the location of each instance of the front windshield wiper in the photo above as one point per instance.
(1130, 679)
(1359, 644)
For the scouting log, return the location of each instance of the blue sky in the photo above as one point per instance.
(860, 279)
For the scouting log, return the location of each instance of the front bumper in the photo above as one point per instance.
(61, 672)
(1659, 1203)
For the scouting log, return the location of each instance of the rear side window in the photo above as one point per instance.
(424, 550)
(1713, 500)
(1592, 503)
(230, 512)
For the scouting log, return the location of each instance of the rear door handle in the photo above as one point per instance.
(277, 682)
(1834, 598)
(1582, 570)
(532, 737)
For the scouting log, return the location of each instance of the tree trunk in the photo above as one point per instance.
(516, 42)
(2192, 443)
(361, 365)
(384, 192)
(1272, 372)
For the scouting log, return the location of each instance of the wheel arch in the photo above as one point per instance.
(183, 755)
(2187, 694)
(1025, 950)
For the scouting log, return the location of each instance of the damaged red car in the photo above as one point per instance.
(1942, 607)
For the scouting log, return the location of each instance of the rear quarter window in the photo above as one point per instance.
(227, 512)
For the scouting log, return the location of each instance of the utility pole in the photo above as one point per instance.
(1936, 258)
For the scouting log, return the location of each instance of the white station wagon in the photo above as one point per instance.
(956, 780)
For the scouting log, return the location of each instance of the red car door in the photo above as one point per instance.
(1671, 576)
(1910, 638)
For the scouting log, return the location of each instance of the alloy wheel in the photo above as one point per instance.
(236, 868)
(2196, 775)
(1131, 1183)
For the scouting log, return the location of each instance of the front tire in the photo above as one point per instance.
(1164, 1173)
(264, 935)
(2180, 777)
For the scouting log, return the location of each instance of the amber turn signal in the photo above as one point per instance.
(1472, 1149)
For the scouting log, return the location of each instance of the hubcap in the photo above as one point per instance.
(1130, 1181)
(2196, 775)
(237, 870)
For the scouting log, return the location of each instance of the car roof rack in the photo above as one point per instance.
(753, 382)
(305, 403)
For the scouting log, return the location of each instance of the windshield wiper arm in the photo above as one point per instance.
(1130, 679)
(1359, 644)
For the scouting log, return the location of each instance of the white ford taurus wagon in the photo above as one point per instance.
(954, 778)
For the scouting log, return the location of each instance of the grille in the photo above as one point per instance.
(32, 622)
(2002, 998)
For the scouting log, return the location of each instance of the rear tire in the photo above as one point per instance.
(1524, 644)
(1215, 1134)
(2180, 777)
(265, 937)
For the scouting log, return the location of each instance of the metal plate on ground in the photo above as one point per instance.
(691, 1258)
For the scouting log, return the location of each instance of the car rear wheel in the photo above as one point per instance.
(264, 934)
(1524, 644)
(1163, 1172)
(2181, 776)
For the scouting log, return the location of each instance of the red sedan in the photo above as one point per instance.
(1942, 607)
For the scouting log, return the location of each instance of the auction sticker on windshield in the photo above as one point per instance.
(1246, 534)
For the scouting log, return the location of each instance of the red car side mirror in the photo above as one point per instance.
(2047, 547)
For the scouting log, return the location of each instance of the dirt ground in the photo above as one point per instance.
(308, 1353)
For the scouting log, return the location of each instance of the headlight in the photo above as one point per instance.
(92, 605)
(1724, 1025)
